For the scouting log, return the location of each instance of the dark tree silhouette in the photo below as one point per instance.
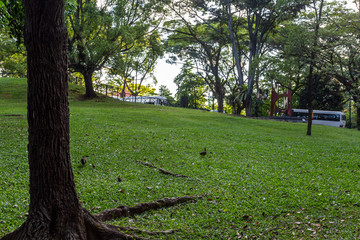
(55, 211)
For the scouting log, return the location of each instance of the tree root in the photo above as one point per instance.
(97, 230)
(161, 169)
(92, 227)
(125, 211)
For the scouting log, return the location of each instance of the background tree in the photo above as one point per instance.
(191, 88)
(287, 65)
(262, 17)
(342, 52)
(201, 45)
(12, 50)
(12, 17)
(136, 65)
(327, 94)
(314, 54)
(308, 48)
(244, 26)
(143, 90)
(97, 33)
(12, 56)
(165, 92)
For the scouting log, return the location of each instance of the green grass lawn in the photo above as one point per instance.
(263, 179)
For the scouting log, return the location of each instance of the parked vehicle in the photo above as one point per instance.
(321, 117)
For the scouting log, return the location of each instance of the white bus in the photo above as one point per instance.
(321, 117)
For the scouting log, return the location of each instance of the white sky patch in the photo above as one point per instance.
(165, 73)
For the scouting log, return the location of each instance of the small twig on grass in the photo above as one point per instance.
(161, 169)
(125, 211)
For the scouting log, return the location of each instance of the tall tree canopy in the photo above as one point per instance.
(12, 17)
(200, 42)
(191, 88)
(100, 32)
(136, 65)
(244, 26)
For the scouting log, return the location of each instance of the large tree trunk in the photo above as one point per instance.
(90, 93)
(55, 211)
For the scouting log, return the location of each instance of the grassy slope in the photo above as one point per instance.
(263, 179)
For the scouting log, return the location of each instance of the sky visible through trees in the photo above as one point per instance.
(165, 73)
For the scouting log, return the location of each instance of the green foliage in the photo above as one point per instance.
(236, 98)
(205, 51)
(263, 179)
(137, 64)
(327, 94)
(191, 88)
(99, 33)
(12, 16)
(12, 56)
(331, 57)
(144, 90)
(165, 92)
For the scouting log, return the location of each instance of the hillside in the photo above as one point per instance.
(263, 179)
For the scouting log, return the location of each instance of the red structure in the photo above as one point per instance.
(277, 106)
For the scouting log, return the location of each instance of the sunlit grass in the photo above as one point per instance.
(263, 179)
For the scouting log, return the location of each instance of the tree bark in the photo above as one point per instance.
(90, 93)
(54, 211)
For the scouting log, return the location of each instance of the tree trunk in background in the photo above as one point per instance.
(220, 100)
(314, 54)
(55, 211)
(358, 118)
(90, 93)
(248, 103)
(219, 94)
(357, 104)
(310, 83)
(235, 51)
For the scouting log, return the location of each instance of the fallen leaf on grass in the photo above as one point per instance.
(316, 225)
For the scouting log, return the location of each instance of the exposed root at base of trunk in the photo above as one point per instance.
(97, 230)
(92, 227)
